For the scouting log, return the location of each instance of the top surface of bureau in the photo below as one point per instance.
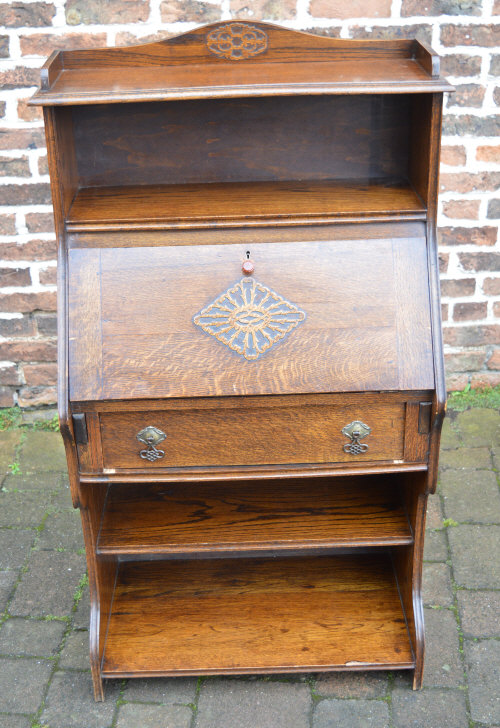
(316, 316)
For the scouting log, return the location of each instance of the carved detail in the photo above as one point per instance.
(237, 41)
(249, 318)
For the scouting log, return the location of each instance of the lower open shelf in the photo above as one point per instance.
(256, 615)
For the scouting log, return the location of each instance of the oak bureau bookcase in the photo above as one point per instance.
(251, 384)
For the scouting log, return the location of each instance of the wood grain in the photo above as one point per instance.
(206, 617)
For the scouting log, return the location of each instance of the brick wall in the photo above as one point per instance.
(466, 33)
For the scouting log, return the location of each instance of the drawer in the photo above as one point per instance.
(263, 431)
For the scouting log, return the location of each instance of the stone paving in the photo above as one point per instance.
(44, 674)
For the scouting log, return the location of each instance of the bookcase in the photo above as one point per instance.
(251, 384)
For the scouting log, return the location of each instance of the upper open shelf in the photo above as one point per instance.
(235, 59)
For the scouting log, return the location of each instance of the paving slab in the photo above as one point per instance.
(352, 684)
(466, 457)
(22, 684)
(9, 442)
(435, 546)
(81, 617)
(15, 721)
(471, 496)
(429, 708)
(165, 690)
(7, 581)
(450, 438)
(351, 713)
(436, 585)
(15, 545)
(75, 653)
(443, 666)
(62, 530)
(138, 715)
(479, 427)
(70, 702)
(434, 518)
(483, 671)
(479, 613)
(37, 638)
(23, 509)
(48, 482)
(49, 585)
(42, 451)
(476, 556)
(228, 703)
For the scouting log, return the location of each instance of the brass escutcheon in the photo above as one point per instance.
(355, 431)
(151, 436)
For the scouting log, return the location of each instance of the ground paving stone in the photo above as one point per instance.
(465, 457)
(14, 547)
(167, 690)
(352, 684)
(22, 509)
(434, 518)
(443, 666)
(476, 556)
(227, 703)
(62, 530)
(70, 702)
(479, 613)
(22, 684)
(7, 581)
(450, 439)
(49, 585)
(42, 451)
(435, 547)
(81, 616)
(471, 496)
(48, 482)
(352, 713)
(31, 637)
(9, 441)
(75, 653)
(15, 721)
(479, 427)
(429, 708)
(436, 585)
(483, 670)
(138, 715)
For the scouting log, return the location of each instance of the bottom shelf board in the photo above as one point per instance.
(256, 615)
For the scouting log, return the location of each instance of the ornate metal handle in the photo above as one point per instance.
(151, 436)
(355, 431)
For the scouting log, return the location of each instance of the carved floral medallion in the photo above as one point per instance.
(249, 318)
(237, 41)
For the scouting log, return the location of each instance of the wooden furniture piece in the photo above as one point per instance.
(251, 384)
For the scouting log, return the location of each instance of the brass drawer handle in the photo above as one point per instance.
(151, 436)
(355, 431)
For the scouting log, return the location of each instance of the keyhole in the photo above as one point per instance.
(248, 255)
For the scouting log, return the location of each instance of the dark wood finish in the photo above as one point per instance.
(195, 617)
(263, 539)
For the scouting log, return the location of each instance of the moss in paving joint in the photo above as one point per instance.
(449, 523)
(11, 419)
(119, 701)
(79, 589)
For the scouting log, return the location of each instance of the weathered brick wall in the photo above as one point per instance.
(464, 32)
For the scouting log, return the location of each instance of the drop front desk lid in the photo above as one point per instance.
(315, 316)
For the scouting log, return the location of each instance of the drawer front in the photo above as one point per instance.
(256, 434)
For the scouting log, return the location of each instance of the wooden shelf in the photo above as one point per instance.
(219, 205)
(220, 517)
(256, 615)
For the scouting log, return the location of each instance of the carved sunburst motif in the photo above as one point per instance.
(237, 41)
(249, 318)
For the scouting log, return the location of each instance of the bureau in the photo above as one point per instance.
(251, 384)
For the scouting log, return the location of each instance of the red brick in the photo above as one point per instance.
(350, 8)
(35, 194)
(461, 209)
(14, 277)
(491, 286)
(488, 153)
(471, 125)
(444, 311)
(494, 360)
(193, 11)
(40, 222)
(480, 261)
(9, 374)
(440, 7)
(32, 250)
(27, 15)
(471, 335)
(17, 327)
(481, 380)
(260, 9)
(4, 46)
(22, 139)
(14, 167)
(485, 36)
(92, 12)
(454, 156)
(20, 76)
(28, 350)
(48, 277)
(28, 113)
(465, 361)
(458, 288)
(443, 262)
(496, 8)
(469, 311)
(459, 64)
(6, 397)
(464, 182)
(467, 94)
(467, 236)
(390, 32)
(42, 44)
(46, 324)
(28, 302)
(37, 396)
(456, 382)
(40, 374)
